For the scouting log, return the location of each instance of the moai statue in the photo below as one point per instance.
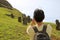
(31, 19)
(19, 19)
(12, 16)
(23, 15)
(57, 25)
(28, 19)
(24, 20)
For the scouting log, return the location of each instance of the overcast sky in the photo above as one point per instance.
(50, 7)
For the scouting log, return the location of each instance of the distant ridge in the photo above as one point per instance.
(5, 4)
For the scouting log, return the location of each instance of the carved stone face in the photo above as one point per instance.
(57, 25)
(57, 21)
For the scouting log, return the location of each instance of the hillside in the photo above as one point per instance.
(11, 29)
(5, 4)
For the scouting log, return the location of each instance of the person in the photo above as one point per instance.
(38, 22)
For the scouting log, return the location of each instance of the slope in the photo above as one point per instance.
(11, 29)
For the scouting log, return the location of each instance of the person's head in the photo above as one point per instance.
(39, 15)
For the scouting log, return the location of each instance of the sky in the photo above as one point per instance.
(51, 8)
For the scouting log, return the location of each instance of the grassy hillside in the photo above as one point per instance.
(11, 29)
(55, 33)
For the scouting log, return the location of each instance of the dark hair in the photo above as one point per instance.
(39, 15)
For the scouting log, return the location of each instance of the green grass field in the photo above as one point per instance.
(11, 29)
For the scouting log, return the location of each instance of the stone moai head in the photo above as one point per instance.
(28, 19)
(57, 25)
(12, 16)
(57, 21)
(19, 19)
(24, 20)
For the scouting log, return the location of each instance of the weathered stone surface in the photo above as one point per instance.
(12, 16)
(57, 25)
(23, 15)
(28, 19)
(19, 19)
(24, 20)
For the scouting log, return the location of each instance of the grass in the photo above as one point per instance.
(11, 29)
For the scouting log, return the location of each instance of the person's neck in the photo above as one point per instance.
(39, 24)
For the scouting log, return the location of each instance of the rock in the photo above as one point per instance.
(12, 16)
(28, 19)
(57, 25)
(24, 20)
(19, 19)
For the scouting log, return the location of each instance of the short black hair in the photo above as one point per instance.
(39, 15)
